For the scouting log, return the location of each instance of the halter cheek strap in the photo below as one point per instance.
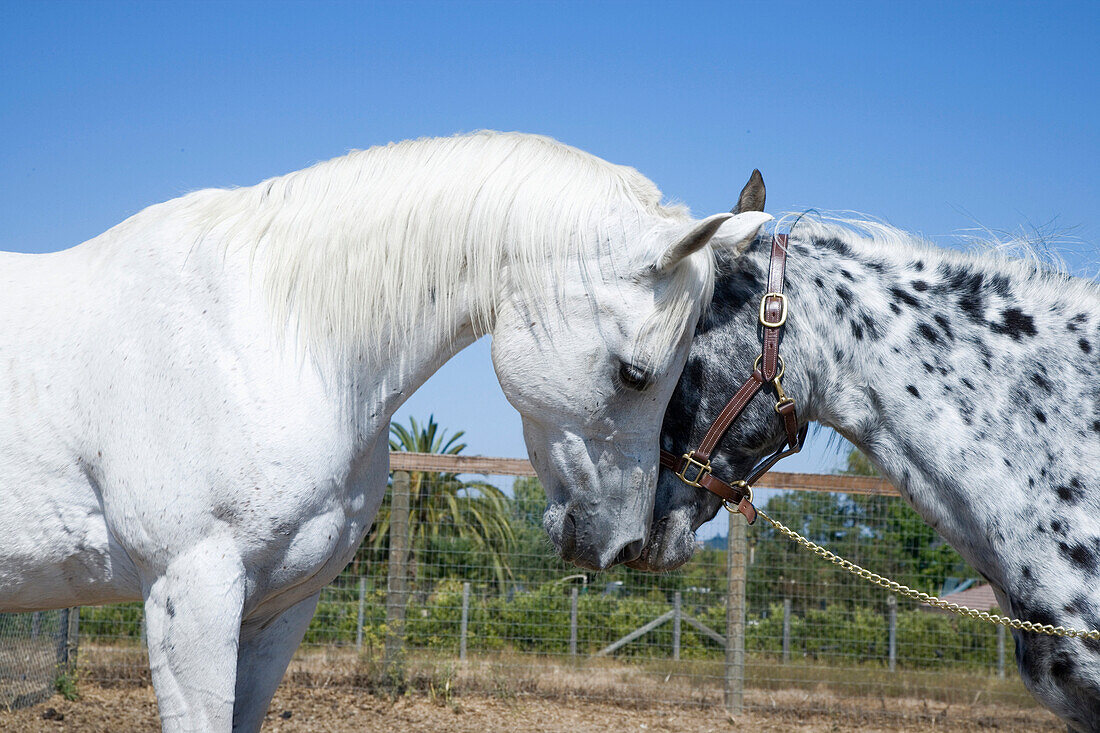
(693, 467)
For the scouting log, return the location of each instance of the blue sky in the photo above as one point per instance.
(937, 117)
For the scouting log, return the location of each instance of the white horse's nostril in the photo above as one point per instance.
(568, 536)
(630, 552)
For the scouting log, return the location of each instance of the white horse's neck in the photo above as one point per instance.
(384, 263)
(970, 381)
(378, 389)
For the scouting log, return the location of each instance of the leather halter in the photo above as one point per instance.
(693, 467)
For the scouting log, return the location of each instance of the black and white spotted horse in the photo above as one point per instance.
(972, 381)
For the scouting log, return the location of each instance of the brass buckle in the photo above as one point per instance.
(703, 470)
(783, 398)
(732, 508)
(782, 366)
(782, 315)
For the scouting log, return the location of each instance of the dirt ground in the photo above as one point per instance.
(335, 710)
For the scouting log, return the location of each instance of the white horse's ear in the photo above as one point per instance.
(738, 233)
(691, 242)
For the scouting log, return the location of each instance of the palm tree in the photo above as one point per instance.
(446, 514)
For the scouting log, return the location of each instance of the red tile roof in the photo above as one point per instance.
(979, 596)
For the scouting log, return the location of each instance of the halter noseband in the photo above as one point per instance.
(693, 467)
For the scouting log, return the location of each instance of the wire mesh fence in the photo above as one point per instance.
(35, 651)
(456, 591)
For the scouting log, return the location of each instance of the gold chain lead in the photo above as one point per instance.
(925, 598)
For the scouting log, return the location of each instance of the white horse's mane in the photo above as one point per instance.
(366, 242)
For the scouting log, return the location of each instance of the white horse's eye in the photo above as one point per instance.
(634, 377)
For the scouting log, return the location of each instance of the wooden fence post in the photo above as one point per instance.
(786, 630)
(676, 611)
(573, 622)
(361, 615)
(735, 615)
(397, 582)
(464, 624)
(892, 615)
(74, 636)
(1001, 651)
(68, 639)
(63, 641)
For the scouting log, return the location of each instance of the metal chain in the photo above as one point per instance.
(930, 600)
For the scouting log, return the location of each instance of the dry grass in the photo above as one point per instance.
(802, 697)
(654, 682)
(336, 711)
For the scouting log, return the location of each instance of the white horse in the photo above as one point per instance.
(971, 381)
(194, 405)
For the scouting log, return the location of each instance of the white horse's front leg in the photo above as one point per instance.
(193, 619)
(266, 648)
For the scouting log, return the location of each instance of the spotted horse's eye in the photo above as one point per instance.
(633, 377)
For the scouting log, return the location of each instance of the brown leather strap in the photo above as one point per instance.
(731, 495)
(774, 307)
(773, 316)
(735, 494)
(766, 465)
(789, 413)
(729, 413)
(708, 481)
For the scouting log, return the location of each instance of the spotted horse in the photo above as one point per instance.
(972, 381)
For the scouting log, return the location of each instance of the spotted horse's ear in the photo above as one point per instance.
(749, 211)
(736, 229)
(752, 195)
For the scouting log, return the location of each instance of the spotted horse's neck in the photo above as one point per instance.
(972, 382)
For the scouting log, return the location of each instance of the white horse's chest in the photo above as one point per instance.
(284, 484)
(300, 534)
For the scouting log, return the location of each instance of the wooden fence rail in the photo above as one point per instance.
(400, 461)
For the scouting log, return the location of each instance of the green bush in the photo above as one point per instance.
(936, 640)
(537, 621)
(117, 621)
(924, 640)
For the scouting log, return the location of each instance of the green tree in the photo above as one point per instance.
(881, 533)
(535, 557)
(451, 522)
(909, 547)
(859, 464)
(782, 568)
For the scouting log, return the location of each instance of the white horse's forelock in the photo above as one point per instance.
(353, 250)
